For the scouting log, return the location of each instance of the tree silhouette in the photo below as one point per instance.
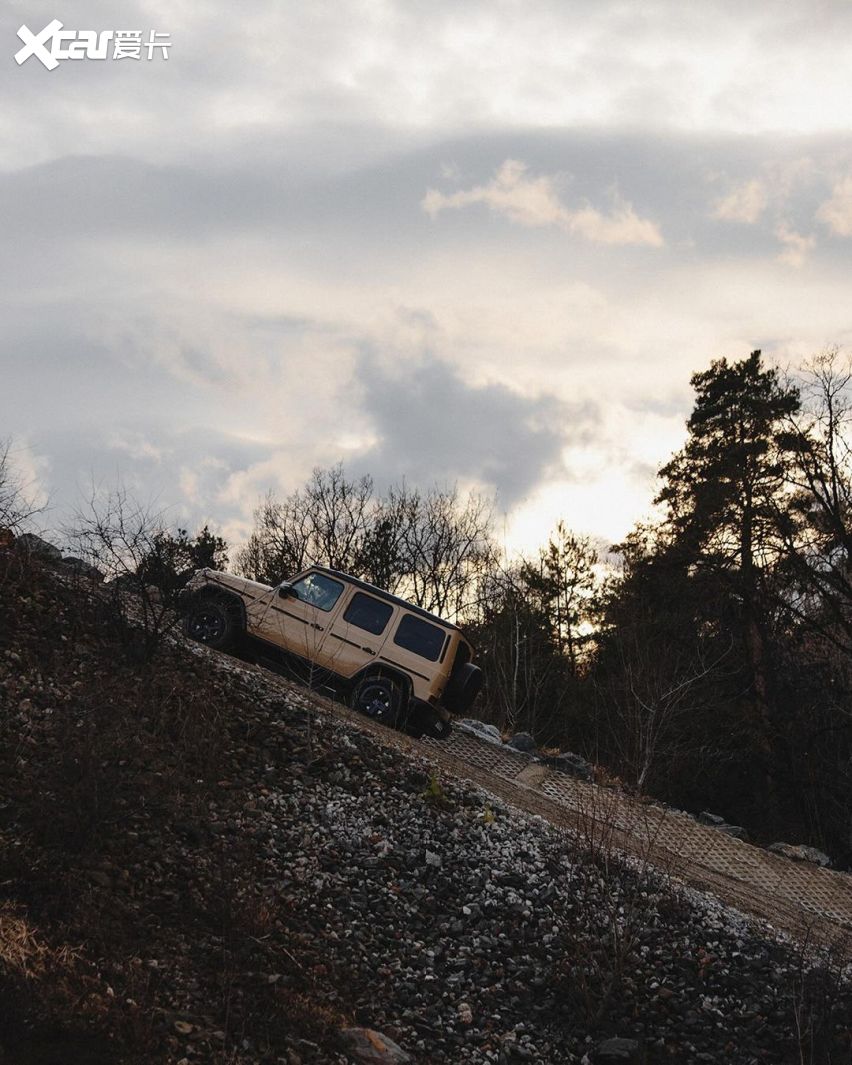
(723, 492)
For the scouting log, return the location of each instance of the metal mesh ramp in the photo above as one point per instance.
(755, 880)
(801, 899)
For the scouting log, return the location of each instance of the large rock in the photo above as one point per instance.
(799, 852)
(715, 821)
(479, 728)
(522, 741)
(372, 1047)
(568, 762)
(38, 548)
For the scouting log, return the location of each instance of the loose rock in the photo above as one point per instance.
(801, 853)
(373, 1048)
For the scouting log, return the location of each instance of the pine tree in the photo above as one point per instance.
(723, 492)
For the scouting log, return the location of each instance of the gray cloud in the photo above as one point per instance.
(182, 474)
(280, 191)
(434, 427)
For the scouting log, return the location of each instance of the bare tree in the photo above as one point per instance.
(324, 523)
(818, 530)
(447, 548)
(431, 547)
(653, 695)
(17, 505)
(382, 559)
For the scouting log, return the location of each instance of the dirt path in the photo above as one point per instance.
(799, 899)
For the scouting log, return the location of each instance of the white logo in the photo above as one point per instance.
(54, 44)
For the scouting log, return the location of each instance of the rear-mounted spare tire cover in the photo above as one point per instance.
(464, 686)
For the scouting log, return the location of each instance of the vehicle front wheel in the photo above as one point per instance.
(380, 698)
(212, 622)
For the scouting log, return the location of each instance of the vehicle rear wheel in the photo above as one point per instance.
(380, 698)
(211, 621)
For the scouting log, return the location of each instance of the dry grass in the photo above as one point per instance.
(22, 953)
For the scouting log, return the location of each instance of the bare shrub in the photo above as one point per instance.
(17, 503)
(614, 898)
(118, 536)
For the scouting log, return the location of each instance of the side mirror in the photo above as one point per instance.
(287, 591)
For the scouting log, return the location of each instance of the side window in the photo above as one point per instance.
(318, 590)
(368, 613)
(420, 637)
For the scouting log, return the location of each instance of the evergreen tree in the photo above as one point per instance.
(723, 493)
(566, 575)
(171, 559)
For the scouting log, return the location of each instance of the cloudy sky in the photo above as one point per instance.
(456, 241)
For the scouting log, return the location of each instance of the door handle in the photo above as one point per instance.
(369, 650)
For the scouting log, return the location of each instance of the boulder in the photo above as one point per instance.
(479, 728)
(373, 1048)
(571, 763)
(799, 852)
(38, 548)
(522, 741)
(715, 821)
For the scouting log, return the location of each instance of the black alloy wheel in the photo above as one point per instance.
(379, 698)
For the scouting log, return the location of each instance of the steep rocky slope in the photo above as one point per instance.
(199, 865)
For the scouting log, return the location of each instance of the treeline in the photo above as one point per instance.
(432, 547)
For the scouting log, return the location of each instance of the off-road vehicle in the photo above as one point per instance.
(388, 658)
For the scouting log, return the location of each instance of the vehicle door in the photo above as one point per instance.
(300, 613)
(358, 631)
(418, 646)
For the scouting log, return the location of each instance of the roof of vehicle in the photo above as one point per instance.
(381, 594)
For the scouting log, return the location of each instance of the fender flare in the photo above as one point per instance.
(376, 670)
(231, 599)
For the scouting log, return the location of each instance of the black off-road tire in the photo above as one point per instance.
(380, 698)
(213, 621)
(465, 684)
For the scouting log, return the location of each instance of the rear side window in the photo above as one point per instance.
(420, 637)
(368, 613)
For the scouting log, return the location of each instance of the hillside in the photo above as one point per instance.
(200, 864)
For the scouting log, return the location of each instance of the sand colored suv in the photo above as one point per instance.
(390, 659)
